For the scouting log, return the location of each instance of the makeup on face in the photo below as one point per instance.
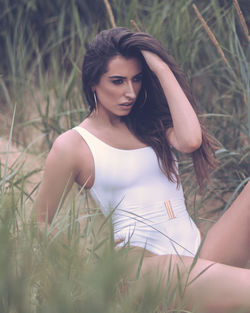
(119, 87)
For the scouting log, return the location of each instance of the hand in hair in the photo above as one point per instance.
(185, 135)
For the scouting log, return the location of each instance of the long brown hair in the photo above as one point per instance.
(150, 117)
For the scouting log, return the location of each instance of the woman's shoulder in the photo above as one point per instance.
(69, 155)
(66, 142)
(69, 145)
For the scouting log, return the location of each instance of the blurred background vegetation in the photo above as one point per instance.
(42, 44)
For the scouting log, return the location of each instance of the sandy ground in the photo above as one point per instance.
(17, 158)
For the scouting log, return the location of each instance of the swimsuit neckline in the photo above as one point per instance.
(108, 145)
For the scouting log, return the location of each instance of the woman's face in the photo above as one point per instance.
(119, 87)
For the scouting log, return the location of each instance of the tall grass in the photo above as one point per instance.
(72, 266)
(67, 267)
(228, 81)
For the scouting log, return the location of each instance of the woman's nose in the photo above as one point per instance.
(130, 91)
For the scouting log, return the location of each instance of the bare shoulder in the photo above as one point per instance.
(71, 153)
(66, 141)
(70, 143)
(66, 150)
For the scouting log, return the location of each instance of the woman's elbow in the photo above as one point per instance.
(192, 145)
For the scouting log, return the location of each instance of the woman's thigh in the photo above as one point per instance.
(202, 286)
(228, 241)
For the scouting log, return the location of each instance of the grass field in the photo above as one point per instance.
(75, 269)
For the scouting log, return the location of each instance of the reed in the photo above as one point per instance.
(242, 19)
(211, 35)
(73, 267)
(110, 13)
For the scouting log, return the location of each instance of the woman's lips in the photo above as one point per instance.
(127, 104)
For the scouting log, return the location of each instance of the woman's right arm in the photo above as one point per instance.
(186, 134)
(59, 175)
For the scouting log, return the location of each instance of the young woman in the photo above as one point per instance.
(141, 110)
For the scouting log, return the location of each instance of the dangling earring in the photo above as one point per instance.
(145, 99)
(95, 99)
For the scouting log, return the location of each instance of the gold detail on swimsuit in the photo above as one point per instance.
(169, 209)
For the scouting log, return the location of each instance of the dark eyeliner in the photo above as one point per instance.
(138, 78)
(117, 81)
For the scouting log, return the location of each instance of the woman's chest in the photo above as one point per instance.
(119, 169)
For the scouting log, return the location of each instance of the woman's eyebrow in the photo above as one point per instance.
(139, 74)
(118, 76)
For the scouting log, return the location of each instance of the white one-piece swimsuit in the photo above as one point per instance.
(147, 209)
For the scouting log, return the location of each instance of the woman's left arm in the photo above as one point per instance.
(185, 135)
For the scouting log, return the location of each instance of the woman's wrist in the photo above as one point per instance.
(163, 70)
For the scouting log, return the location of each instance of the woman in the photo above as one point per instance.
(141, 110)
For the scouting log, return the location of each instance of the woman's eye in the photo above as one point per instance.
(137, 79)
(117, 81)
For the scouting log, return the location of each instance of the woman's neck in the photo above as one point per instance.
(107, 121)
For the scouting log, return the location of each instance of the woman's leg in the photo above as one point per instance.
(210, 287)
(228, 241)
(215, 284)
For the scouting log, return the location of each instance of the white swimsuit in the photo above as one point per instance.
(148, 210)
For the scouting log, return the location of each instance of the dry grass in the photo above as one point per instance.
(110, 13)
(242, 19)
(135, 25)
(211, 35)
(51, 104)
